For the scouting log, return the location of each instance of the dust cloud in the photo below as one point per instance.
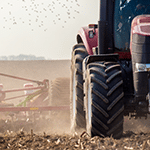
(58, 74)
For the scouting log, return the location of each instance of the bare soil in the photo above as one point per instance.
(55, 134)
(32, 141)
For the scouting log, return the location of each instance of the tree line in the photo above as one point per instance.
(22, 57)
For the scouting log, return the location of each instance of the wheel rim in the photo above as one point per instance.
(89, 111)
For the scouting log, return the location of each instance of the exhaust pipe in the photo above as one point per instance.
(102, 27)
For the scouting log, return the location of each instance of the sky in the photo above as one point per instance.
(45, 28)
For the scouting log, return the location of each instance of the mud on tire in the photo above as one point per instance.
(77, 113)
(104, 99)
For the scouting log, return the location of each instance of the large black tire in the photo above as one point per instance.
(77, 113)
(104, 99)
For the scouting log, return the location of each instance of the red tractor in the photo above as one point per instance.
(110, 68)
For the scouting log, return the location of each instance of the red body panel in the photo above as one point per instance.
(124, 55)
(140, 25)
(89, 42)
(93, 42)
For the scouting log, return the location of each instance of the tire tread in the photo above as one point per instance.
(78, 54)
(107, 107)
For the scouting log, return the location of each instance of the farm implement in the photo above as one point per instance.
(33, 107)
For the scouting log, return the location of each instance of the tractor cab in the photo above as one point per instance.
(125, 11)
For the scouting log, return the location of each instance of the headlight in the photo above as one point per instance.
(142, 67)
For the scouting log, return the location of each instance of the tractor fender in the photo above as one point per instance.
(94, 58)
(84, 37)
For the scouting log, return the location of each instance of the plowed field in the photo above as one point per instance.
(56, 135)
(22, 140)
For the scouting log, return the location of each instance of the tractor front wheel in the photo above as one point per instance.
(77, 112)
(104, 99)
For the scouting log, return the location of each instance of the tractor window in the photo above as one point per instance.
(125, 11)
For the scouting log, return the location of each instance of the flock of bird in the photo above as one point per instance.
(38, 12)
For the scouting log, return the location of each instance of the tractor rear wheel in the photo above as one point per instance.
(104, 99)
(77, 112)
